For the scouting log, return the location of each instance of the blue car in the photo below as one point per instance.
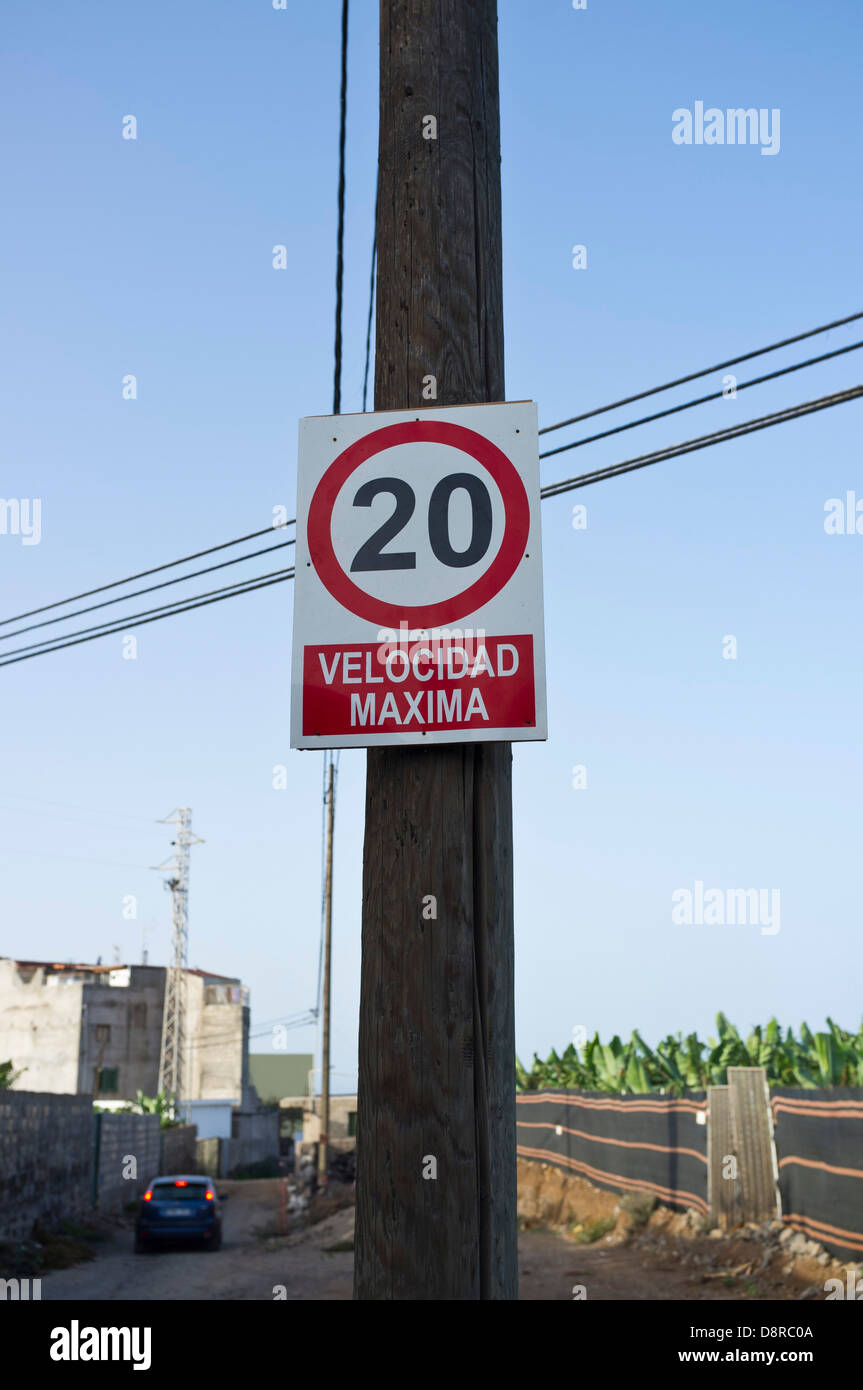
(179, 1208)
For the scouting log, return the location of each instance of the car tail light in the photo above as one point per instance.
(210, 1197)
(148, 1196)
(181, 1182)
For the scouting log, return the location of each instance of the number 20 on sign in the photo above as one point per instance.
(418, 592)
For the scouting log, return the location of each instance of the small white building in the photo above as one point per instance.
(212, 1117)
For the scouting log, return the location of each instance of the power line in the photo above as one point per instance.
(150, 588)
(701, 400)
(587, 415)
(81, 859)
(690, 445)
(340, 236)
(219, 1039)
(307, 1022)
(371, 307)
(163, 608)
(551, 490)
(72, 806)
(168, 612)
(337, 405)
(87, 593)
(627, 400)
(75, 820)
(693, 376)
(283, 1018)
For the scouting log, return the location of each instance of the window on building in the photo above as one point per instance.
(139, 1015)
(108, 1081)
(352, 1124)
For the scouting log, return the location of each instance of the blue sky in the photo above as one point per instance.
(154, 257)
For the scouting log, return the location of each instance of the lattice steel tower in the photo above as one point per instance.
(172, 1078)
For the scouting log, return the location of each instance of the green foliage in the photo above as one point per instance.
(640, 1206)
(830, 1058)
(8, 1077)
(592, 1231)
(160, 1105)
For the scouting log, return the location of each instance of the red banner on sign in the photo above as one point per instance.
(480, 683)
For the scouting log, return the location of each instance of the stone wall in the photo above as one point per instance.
(254, 1136)
(179, 1149)
(46, 1157)
(212, 1157)
(129, 1157)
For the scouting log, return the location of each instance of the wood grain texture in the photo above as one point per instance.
(723, 1193)
(750, 1109)
(740, 1126)
(437, 1043)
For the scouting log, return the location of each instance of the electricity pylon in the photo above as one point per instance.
(172, 1079)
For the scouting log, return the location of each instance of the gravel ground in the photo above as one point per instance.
(256, 1262)
(247, 1266)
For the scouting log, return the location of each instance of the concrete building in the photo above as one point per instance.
(283, 1079)
(301, 1116)
(276, 1075)
(343, 1121)
(60, 1024)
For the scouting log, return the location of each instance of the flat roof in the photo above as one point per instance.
(62, 965)
(103, 969)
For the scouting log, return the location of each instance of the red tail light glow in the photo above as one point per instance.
(210, 1196)
(148, 1196)
(181, 1182)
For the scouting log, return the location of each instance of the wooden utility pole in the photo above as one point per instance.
(328, 952)
(436, 1199)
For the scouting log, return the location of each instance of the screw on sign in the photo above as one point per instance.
(418, 594)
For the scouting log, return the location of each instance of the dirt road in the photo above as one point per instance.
(257, 1262)
(247, 1266)
(553, 1268)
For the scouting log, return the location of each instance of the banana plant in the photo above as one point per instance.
(832, 1057)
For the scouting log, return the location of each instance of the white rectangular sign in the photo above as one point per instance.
(418, 591)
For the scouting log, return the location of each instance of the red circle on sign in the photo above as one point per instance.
(499, 572)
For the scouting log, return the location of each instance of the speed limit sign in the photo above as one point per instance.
(418, 589)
